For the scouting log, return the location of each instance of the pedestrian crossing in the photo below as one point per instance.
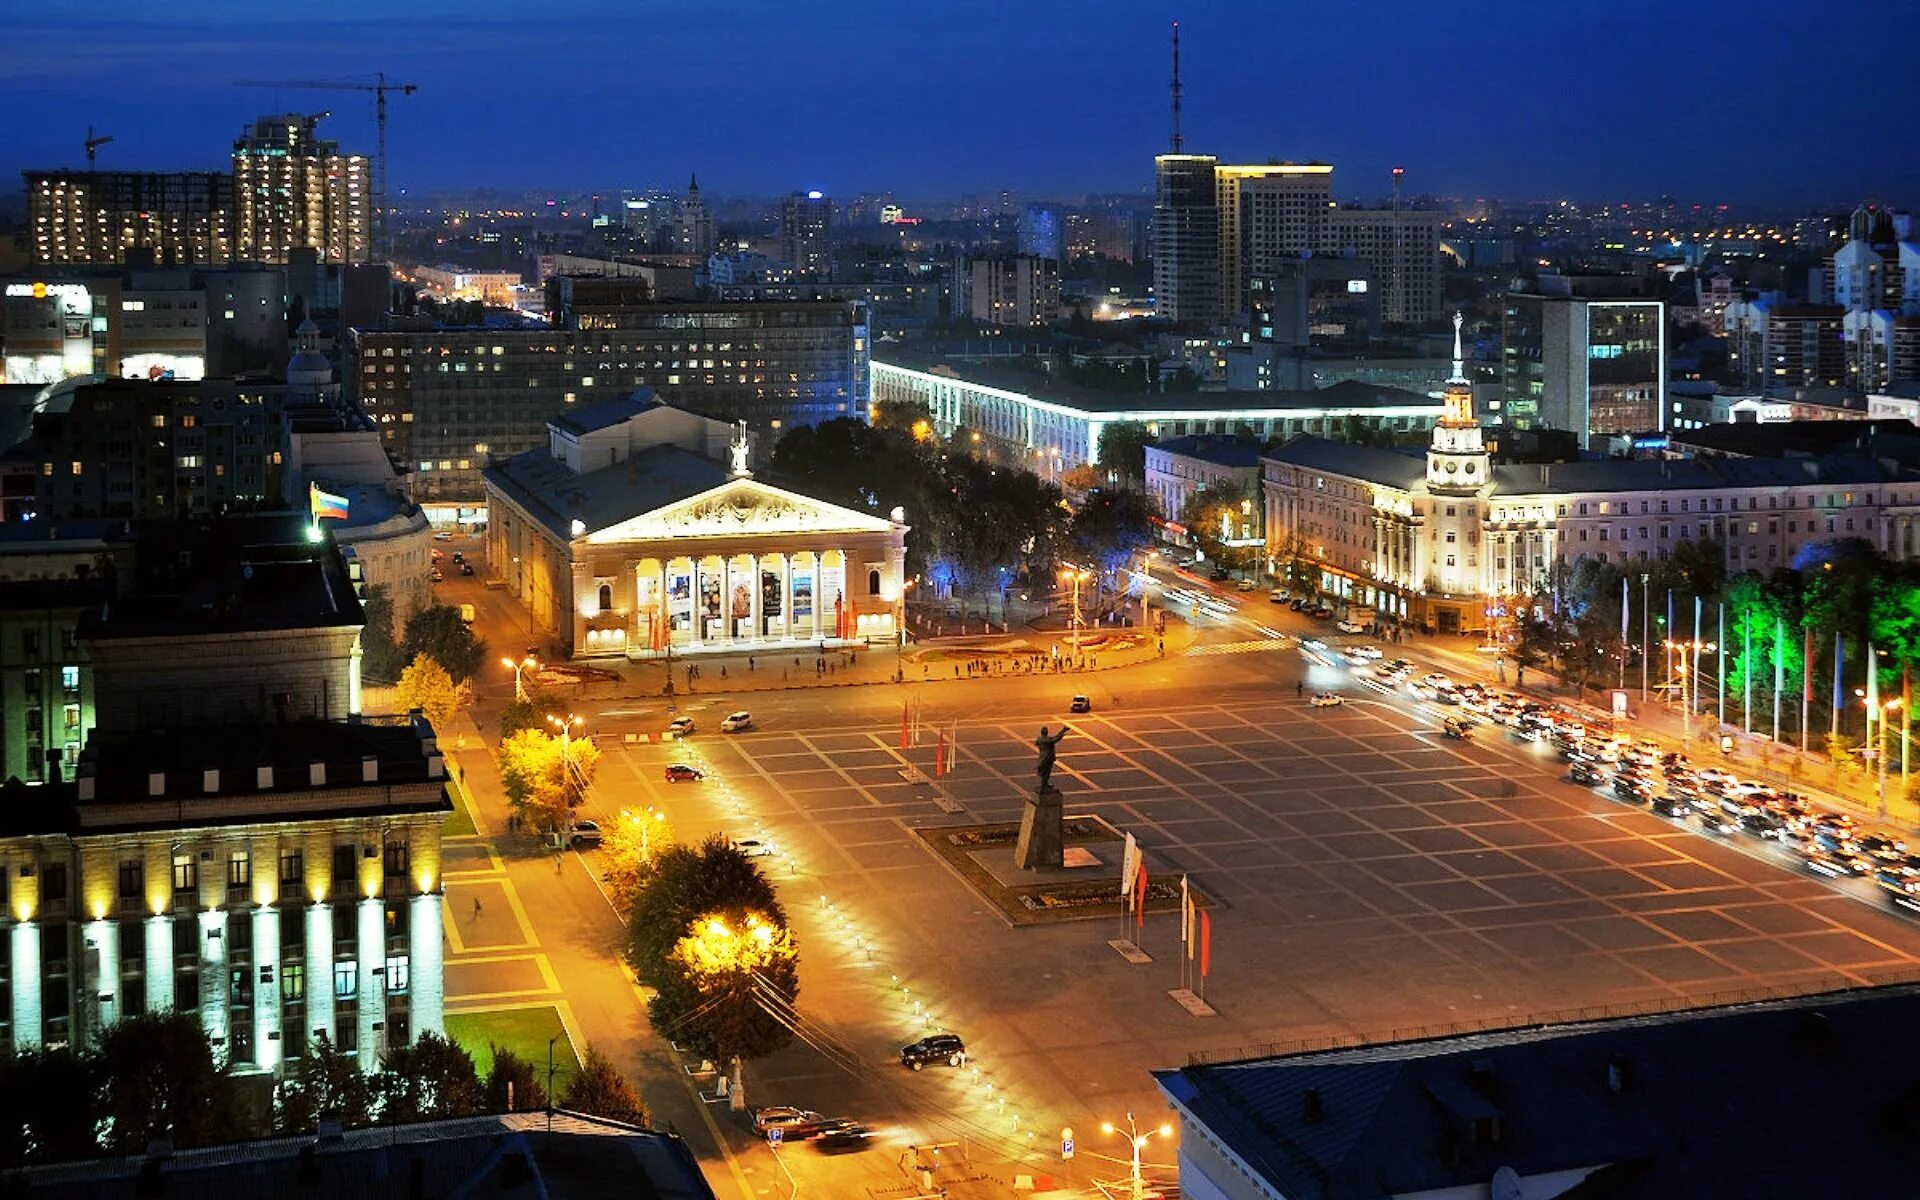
(1237, 647)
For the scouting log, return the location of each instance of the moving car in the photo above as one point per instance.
(786, 1118)
(680, 726)
(1245, 585)
(443, 536)
(1278, 596)
(1081, 704)
(684, 773)
(934, 1048)
(1584, 773)
(585, 835)
(735, 722)
(841, 1134)
(466, 568)
(1325, 700)
(1349, 627)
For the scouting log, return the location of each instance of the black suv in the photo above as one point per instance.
(940, 1047)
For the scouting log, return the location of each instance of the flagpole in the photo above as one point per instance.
(1779, 672)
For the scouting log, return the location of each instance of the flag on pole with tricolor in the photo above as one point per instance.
(324, 504)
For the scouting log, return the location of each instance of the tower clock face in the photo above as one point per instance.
(1452, 467)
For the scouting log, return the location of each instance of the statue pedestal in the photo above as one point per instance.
(1042, 833)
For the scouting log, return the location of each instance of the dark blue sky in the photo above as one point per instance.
(1769, 101)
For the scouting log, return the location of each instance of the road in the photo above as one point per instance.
(1371, 879)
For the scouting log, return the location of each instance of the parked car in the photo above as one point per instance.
(1245, 585)
(736, 722)
(1278, 596)
(934, 1048)
(680, 726)
(684, 773)
(443, 536)
(1350, 627)
(752, 847)
(1584, 773)
(585, 835)
(1326, 700)
(466, 568)
(1081, 704)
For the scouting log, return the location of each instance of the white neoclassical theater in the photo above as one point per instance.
(640, 530)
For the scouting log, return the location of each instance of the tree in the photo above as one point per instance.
(158, 1079)
(512, 1084)
(1110, 527)
(325, 1079)
(1123, 449)
(546, 777)
(1536, 644)
(49, 1107)
(531, 713)
(429, 1080)
(631, 846)
(440, 634)
(726, 986)
(425, 685)
(600, 1089)
(688, 881)
(1212, 509)
(901, 415)
(380, 659)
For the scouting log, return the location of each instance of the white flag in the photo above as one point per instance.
(1186, 916)
(1129, 864)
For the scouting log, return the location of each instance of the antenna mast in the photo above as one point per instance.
(1177, 141)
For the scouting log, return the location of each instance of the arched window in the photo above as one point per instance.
(873, 583)
(606, 596)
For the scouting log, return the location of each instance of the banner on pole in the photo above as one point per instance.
(1140, 901)
(1129, 863)
(1186, 916)
(1206, 944)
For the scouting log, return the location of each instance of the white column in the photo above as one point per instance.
(266, 987)
(101, 998)
(786, 595)
(159, 964)
(753, 595)
(425, 984)
(25, 966)
(372, 948)
(320, 971)
(213, 975)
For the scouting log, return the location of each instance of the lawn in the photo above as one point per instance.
(522, 1030)
(460, 824)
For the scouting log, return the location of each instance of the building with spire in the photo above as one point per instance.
(1450, 541)
(694, 233)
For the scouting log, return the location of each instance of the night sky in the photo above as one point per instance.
(1761, 103)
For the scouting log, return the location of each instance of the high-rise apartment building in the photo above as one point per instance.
(449, 401)
(806, 234)
(1186, 238)
(1040, 232)
(291, 188)
(1584, 354)
(89, 217)
(1017, 290)
(1269, 214)
(1402, 248)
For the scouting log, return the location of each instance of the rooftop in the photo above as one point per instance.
(605, 413)
(583, 1158)
(229, 574)
(651, 479)
(1224, 451)
(1791, 439)
(1797, 1097)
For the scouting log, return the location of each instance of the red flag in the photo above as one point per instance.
(903, 725)
(1206, 944)
(1140, 905)
(940, 756)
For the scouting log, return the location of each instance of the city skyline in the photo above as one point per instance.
(927, 107)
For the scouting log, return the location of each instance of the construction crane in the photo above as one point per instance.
(94, 143)
(380, 87)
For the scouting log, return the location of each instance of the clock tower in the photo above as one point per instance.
(1457, 460)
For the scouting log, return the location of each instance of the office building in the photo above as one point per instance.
(1178, 468)
(95, 217)
(1403, 249)
(50, 574)
(1186, 238)
(448, 401)
(1049, 428)
(639, 530)
(806, 234)
(292, 188)
(1014, 290)
(156, 448)
(1041, 235)
(1586, 354)
(1436, 544)
(1114, 235)
(1269, 214)
(449, 282)
(693, 233)
(1720, 1101)
(1805, 347)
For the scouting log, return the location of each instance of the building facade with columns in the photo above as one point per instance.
(1451, 542)
(640, 531)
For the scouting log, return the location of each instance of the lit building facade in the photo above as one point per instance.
(1008, 416)
(1019, 290)
(640, 531)
(1186, 238)
(1402, 249)
(1269, 214)
(1438, 544)
(1590, 365)
(449, 282)
(806, 234)
(449, 401)
(96, 217)
(292, 188)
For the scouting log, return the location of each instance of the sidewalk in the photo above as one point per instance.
(1754, 755)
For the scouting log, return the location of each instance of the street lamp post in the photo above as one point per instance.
(1885, 711)
(1075, 575)
(1136, 1142)
(520, 669)
(1689, 681)
(568, 770)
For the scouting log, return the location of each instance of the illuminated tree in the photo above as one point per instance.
(440, 634)
(545, 776)
(728, 985)
(686, 882)
(428, 1080)
(629, 849)
(425, 685)
(324, 1079)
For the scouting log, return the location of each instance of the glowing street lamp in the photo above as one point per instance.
(1136, 1142)
(1075, 576)
(520, 669)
